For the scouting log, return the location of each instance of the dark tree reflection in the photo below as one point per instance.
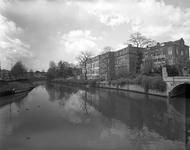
(59, 92)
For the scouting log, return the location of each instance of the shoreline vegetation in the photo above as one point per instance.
(144, 84)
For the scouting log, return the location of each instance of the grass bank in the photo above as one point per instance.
(16, 85)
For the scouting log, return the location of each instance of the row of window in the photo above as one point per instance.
(121, 67)
(121, 52)
(122, 60)
(169, 52)
(95, 65)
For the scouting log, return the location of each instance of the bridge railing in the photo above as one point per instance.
(177, 79)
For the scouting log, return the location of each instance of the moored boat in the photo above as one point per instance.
(11, 92)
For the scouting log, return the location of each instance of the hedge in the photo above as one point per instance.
(91, 82)
(147, 82)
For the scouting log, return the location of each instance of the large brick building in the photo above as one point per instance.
(107, 69)
(125, 58)
(105, 66)
(168, 53)
(93, 71)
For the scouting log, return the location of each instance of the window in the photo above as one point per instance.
(177, 51)
(162, 44)
(182, 52)
(170, 61)
(169, 50)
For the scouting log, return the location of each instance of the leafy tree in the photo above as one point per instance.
(122, 73)
(83, 59)
(51, 73)
(138, 62)
(172, 70)
(61, 67)
(64, 70)
(138, 40)
(18, 69)
(147, 68)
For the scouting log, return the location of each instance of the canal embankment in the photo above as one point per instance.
(141, 84)
(15, 86)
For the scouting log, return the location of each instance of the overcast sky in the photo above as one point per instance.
(38, 31)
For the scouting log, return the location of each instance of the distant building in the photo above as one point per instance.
(5, 74)
(125, 58)
(39, 74)
(93, 70)
(168, 53)
(89, 68)
(106, 66)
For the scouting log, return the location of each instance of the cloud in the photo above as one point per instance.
(12, 48)
(7, 26)
(78, 40)
(121, 46)
(110, 17)
(17, 42)
(150, 17)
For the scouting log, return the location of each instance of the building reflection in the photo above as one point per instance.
(137, 110)
(181, 106)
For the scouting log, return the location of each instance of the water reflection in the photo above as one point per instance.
(63, 117)
(180, 106)
(139, 111)
(58, 92)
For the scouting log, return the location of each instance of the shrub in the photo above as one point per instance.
(92, 83)
(158, 84)
(146, 83)
(121, 82)
(138, 79)
(75, 81)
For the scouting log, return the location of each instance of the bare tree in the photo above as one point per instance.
(83, 59)
(138, 40)
(106, 49)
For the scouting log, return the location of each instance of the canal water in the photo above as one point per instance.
(57, 117)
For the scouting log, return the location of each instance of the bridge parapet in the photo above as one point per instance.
(177, 79)
(173, 82)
